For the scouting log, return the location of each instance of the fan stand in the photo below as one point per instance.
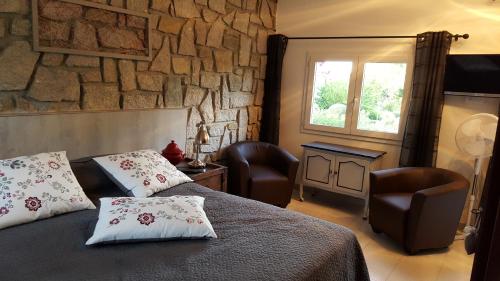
(477, 170)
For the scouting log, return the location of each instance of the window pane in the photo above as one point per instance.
(381, 97)
(330, 91)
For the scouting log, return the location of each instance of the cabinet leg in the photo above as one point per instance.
(365, 211)
(301, 192)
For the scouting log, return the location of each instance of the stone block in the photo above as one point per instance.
(54, 84)
(138, 5)
(91, 75)
(245, 50)
(262, 41)
(127, 75)
(212, 146)
(260, 93)
(209, 15)
(252, 30)
(20, 27)
(235, 82)
(173, 96)
(100, 97)
(156, 39)
(14, 6)
(225, 95)
(112, 37)
(139, 100)
(207, 109)
(136, 22)
(84, 36)
(255, 60)
(247, 80)
(50, 59)
(236, 3)
(161, 5)
(60, 11)
(6, 103)
(240, 22)
(206, 57)
(109, 70)
(223, 60)
(226, 115)
(170, 24)
(265, 14)
(201, 29)
(117, 3)
(161, 62)
(17, 62)
(100, 15)
(52, 30)
(210, 80)
(231, 42)
(201, 2)
(254, 18)
(215, 34)
(186, 42)
(186, 9)
(251, 5)
(218, 5)
(228, 19)
(242, 124)
(150, 82)
(253, 114)
(84, 61)
(262, 69)
(194, 96)
(241, 100)
(195, 68)
(142, 66)
(181, 65)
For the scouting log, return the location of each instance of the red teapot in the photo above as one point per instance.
(173, 153)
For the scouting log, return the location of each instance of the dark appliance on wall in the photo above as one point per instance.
(472, 75)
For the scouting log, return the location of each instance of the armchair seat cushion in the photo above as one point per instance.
(392, 210)
(268, 185)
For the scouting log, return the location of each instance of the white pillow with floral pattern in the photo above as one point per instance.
(141, 173)
(155, 218)
(37, 187)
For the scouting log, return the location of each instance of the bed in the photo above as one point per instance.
(255, 241)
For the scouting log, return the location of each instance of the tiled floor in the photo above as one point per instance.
(386, 260)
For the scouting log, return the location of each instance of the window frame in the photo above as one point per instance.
(313, 59)
(354, 97)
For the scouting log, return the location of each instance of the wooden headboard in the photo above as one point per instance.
(91, 133)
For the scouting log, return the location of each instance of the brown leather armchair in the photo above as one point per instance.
(420, 208)
(261, 171)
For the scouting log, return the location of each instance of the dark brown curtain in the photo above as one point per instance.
(487, 260)
(420, 141)
(270, 123)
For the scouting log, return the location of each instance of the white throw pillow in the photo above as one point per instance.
(141, 173)
(155, 218)
(37, 187)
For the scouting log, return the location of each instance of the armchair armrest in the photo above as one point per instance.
(435, 213)
(239, 172)
(285, 162)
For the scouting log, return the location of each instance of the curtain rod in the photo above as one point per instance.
(456, 37)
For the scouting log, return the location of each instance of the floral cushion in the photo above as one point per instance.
(141, 173)
(38, 186)
(154, 218)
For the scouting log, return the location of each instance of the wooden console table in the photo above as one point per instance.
(338, 168)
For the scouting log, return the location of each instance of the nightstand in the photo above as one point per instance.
(214, 176)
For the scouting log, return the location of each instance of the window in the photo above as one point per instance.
(355, 95)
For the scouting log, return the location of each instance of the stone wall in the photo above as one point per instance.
(208, 56)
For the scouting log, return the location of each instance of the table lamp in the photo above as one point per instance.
(202, 138)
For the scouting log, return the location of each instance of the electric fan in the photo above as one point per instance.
(476, 137)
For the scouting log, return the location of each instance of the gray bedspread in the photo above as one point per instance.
(256, 242)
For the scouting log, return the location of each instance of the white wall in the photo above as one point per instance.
(479, 18)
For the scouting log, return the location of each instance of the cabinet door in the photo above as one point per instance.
(318, 169)
(351, 176)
